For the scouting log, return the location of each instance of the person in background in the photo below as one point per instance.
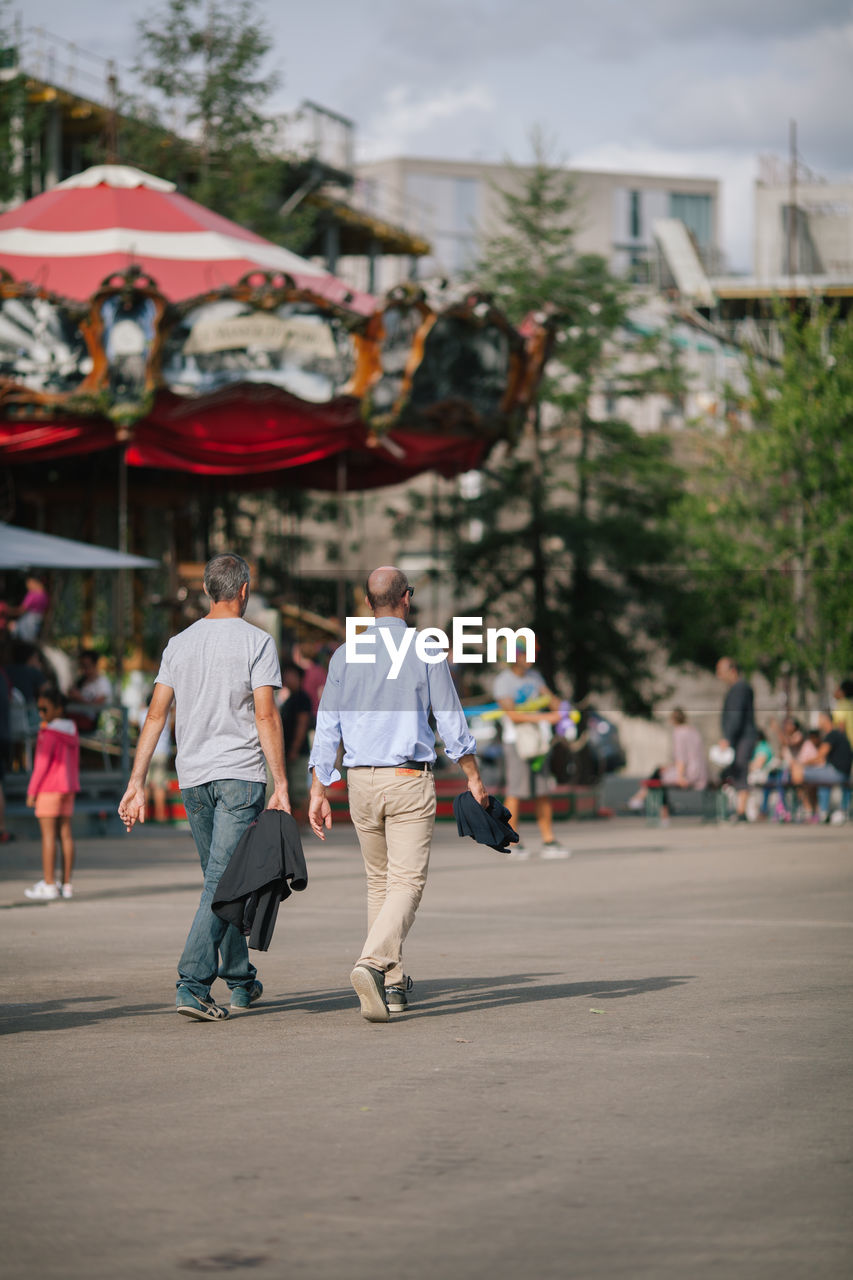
(296, 721)
(314, 677)
(157, 781)
(5, 746)
(842, 715)
(30, 613)
(738, 730)
(688, 770)
(763, 769)
(513, 687)
(91, 684)
(26, 671)
(91, 687)
(55, 781)
(833, 765)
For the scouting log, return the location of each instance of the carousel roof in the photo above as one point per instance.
(112, 217)
(131, 314)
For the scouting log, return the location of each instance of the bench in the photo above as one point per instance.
(710, 804)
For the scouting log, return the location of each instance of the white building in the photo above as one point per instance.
(453, 203)
(816, 242)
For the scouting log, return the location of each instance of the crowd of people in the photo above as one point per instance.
(784, 772)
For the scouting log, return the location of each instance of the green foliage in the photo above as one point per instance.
(573, 527)
(206, 128)
(204, 59)
(770, 513)
(20, 120)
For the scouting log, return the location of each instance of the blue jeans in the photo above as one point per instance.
(218, 814)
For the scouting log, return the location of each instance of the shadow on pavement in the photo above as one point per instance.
(436, 997)
(100, 895)
(433, 998)
(58, 1015)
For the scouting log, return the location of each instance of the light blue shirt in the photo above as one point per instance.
(384, 722)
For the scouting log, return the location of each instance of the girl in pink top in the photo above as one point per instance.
(55, 780)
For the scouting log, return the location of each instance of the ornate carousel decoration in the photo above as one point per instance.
(106, 337)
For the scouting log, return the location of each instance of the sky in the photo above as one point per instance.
(681, 87)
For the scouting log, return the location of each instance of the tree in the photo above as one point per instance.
(770, 514)
(207, 127)
(572, 526)
(203, 58)
(20, 119)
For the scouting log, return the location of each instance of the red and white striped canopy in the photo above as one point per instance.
(110, 217)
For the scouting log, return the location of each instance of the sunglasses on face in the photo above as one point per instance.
(410, 592)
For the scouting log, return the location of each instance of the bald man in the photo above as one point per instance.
(389, 752)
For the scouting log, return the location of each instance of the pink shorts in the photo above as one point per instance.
(54, 804)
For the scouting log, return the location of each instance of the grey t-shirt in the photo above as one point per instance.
(214, 667)
(509, 687)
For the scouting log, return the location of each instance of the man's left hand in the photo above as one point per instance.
(479, 792)
(280, 798)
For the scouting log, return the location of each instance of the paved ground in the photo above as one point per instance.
(633, 1064)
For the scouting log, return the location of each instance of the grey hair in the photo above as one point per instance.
(224, 575)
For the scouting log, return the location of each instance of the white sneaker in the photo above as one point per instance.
(838, 817)
(67, 890)
(519, 852)
(552, 850)
(42, 892)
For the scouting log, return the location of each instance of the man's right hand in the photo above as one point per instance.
(131, 807)
(280, 798)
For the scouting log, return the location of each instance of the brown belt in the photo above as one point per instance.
(422, 766)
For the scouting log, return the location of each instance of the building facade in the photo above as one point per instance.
(803, 229)
(453, 204)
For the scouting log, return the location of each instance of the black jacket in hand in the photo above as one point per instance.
(486, 826)
(266, 866)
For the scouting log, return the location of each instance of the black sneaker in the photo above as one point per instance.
(369, 985)
(395, 997)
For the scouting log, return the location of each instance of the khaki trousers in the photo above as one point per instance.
(393, 813)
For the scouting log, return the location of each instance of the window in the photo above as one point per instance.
(635, 221)
(695, 213)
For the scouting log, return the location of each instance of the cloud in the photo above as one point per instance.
(455, 33)
(809, 80)
(404, 118)
(759, 20)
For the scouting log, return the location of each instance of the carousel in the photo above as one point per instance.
(131, 315)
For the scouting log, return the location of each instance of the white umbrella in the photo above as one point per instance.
(25, 549)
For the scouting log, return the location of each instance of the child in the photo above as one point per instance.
(56, 778)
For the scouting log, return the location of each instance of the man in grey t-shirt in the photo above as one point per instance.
(222, 673)
(514, 687)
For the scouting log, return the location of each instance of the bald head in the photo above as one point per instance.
(387, 591)
(727, 670)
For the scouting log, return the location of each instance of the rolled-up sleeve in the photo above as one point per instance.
(327, 734)
(449, 716)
